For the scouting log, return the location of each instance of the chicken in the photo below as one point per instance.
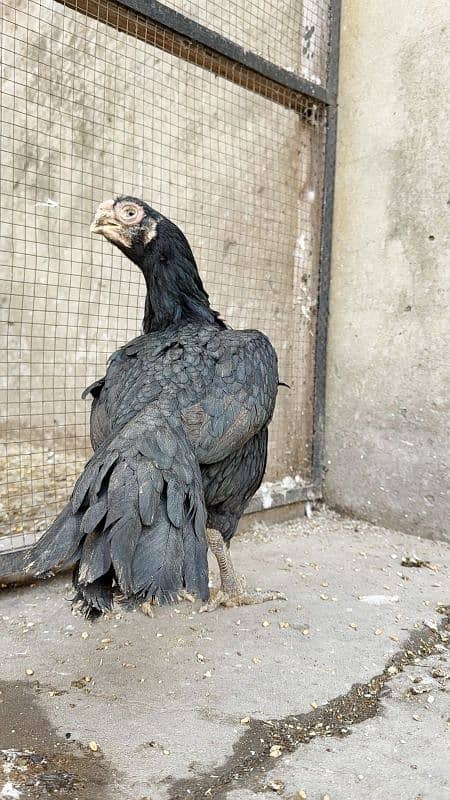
(179, 432)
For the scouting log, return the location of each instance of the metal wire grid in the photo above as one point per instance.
(88, 111)
(290, 33)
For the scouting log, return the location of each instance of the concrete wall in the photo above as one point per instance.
(388, 359)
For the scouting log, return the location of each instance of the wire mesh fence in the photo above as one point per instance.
(291, 34)
(97, 100)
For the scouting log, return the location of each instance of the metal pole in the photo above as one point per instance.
(325, 252)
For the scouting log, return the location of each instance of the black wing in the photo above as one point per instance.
(223, 383)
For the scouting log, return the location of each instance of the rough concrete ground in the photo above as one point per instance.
(242, 703)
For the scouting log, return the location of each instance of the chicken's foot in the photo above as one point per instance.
(232, 592)
(148, 605)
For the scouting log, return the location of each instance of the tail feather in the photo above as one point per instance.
(143, 500)
(95, 558)
(195, 577)
(176, 499)
(97, 597)
(94, 515)
(158, 560)
(55, 551)
(83, 484)
(135, 524)
(123, 538)
(151, 484)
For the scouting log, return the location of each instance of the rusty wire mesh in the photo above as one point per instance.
(95, 101)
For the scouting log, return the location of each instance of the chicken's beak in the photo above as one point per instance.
(102, 223)
(104, 220)
(96, 228)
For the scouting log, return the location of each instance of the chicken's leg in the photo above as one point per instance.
(232, 590)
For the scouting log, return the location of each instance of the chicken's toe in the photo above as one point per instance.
(147, 608)
(228, 600)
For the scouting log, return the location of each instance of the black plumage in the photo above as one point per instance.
(179, 431)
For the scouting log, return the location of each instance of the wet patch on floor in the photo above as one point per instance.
(35, 762)
(258, 749)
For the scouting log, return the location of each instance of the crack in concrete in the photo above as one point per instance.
(252, 759)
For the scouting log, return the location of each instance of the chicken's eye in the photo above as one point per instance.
(128, 212)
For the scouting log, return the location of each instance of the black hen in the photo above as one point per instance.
(179, 431)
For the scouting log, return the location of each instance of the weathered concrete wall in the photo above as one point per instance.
(388, 360)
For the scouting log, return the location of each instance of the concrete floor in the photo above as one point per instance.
(179, 705)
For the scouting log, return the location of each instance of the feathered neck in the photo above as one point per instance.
(175, 292)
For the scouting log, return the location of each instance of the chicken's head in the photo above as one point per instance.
(128, 223)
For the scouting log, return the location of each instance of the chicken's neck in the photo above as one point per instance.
(175, 293)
